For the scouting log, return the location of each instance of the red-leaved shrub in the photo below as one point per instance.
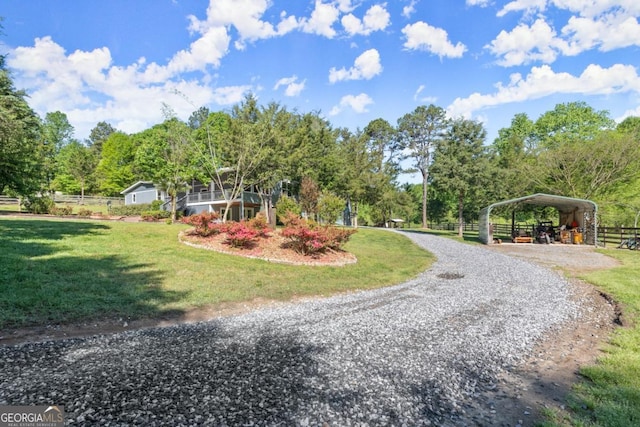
(204, 223)
(260, 225)
(309, 238)
(241, 235)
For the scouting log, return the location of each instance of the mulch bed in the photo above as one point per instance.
(273, 249)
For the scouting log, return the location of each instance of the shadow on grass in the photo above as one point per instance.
(43, 282)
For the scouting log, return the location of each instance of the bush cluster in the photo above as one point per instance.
(61, 210)
(85, 212)
(154, 216)
(131, 210)
(241, 234)
(39, 205)
(309, 238)
(205, 223)
(284, 206)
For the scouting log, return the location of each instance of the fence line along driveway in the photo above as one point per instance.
(418, 353)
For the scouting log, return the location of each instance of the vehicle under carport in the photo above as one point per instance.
(570, 210)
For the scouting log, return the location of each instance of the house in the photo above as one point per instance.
(200, 197)
(142, 192)
(207, 198)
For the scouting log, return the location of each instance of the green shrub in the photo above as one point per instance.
(154, 216)
(61, 210)
(156, 205)
(38, 205)
(330, 207)
(284, 206)
(85, 212)
(131, 210)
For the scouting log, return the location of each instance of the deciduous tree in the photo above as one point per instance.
(115, 169)
(418, 133)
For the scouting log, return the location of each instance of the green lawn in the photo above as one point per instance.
(93, 208)
(60, 271)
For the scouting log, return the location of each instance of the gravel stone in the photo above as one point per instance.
(420, 354)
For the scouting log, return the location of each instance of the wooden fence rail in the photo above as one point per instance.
(607, 236)
(71, 199)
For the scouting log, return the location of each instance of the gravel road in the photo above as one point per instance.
(420, 353)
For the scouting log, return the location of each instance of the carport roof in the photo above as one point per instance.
(560, 202)
(563, 204)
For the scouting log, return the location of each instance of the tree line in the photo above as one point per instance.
(572, 150)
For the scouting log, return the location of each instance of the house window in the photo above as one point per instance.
(248, 213)
(133, 198)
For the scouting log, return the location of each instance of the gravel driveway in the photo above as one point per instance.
(419, 353)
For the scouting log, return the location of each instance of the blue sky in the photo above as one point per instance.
(351, 60)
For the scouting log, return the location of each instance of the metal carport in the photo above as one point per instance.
(584, 212)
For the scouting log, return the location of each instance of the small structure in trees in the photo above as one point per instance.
(579, 212)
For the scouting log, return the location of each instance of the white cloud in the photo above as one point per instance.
(423, 99)
(358, 103)
(422, 36)
(608, 32)
(525, 44)
(599, 24)
(207, 50)
(629, 113)
(481, 3)
(322, 19)
(293, 87)
(528, 6)
(345, 6)
(409, 9)
(231, 94)
(592, 8)
(365, 67)
(543, 81)
(246, 17)
(375, 19)
(89, 88)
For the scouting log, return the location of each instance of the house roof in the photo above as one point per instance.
(134, 186)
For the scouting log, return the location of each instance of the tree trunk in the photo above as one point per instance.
(424, 199)
(354, 218)
(225, 217)
(173, 208)
(460, 215)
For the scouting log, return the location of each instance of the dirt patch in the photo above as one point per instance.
(544, 380)
(571, 259)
